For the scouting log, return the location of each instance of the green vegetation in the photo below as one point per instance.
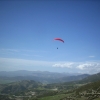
(32, 90)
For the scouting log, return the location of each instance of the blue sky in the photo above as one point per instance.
(28, 29)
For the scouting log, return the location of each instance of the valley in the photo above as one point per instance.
(87, 88)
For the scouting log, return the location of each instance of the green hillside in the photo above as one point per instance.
(20, 86)
(91, 78)
(85, 89)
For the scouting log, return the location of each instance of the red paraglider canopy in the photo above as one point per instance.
(59, 39)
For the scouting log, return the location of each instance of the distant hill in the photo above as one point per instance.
(85, 80)
(17, 87)
(40, 76)
(35, 73)
(73, 78)
(91, 78)
(76, 81)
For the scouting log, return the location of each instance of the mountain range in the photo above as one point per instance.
(40, 76)
(74, 87)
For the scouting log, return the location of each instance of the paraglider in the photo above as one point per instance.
(59, 39)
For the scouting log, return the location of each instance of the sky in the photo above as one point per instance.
(28, 29)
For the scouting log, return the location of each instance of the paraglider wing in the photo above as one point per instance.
(59, 39)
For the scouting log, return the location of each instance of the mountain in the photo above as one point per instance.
(18, 87)
(83, 89)
(40, 76)
(91, 78)
(73, 78)
(75, 81)
(35, 73)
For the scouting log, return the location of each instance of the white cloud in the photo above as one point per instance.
(67, 65)
(91, 56)
(24, 64)
(20, 50)
(22, 61)
(9, 50)
(83, 67)
(90, 67)
(20, 64)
